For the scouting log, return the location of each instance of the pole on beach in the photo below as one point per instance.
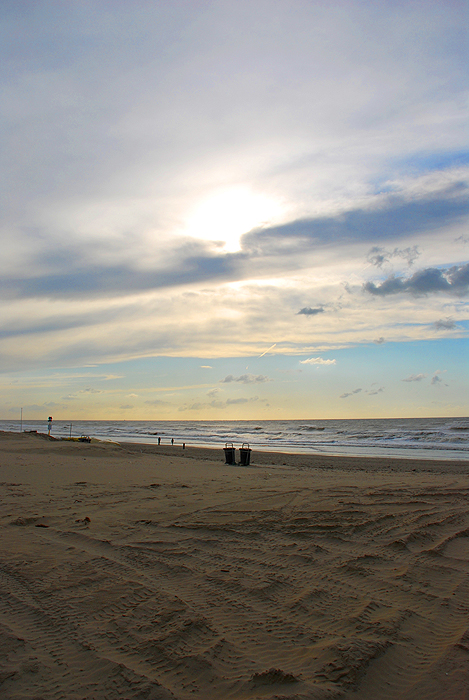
(21, 421)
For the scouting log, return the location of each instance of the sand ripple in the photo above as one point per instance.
(267, 583)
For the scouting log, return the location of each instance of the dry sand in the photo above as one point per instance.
(150, 572)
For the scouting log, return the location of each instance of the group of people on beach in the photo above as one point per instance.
(172, 443)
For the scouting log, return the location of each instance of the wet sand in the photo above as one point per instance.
(146, 572)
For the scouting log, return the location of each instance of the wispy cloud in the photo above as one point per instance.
(350, 393)
(415, 378)
(217, 404)
(437, 379)
(317, 361)
(374, 392)
(379, 256)
(246, 379)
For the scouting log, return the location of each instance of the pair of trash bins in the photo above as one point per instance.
(244, 454)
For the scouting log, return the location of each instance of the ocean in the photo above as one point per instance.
(423, 438)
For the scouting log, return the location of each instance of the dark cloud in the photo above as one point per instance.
(396, 219)
(308, 311)
(444, 325)
(246, 379)
(157, 402)
(454, 280)
(379, 341)
(102, 280)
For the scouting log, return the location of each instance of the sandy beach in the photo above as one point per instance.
(150, 573)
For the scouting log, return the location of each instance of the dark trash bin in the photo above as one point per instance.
(245, 455)
(229, 450)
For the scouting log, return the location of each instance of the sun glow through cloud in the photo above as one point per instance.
(227, 214)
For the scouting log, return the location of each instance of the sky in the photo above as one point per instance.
(234, 210)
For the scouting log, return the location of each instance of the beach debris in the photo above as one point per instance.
(41, 525)
(86, 519)
(272, 676)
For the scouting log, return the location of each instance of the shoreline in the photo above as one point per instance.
(308, 460)
(260, 458)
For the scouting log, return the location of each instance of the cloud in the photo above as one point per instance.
(436, 379)
(395, 218)
(65, 268)
(206, 367)
(126, 407)
(108, 153)
(350, 393)
(379, 341)
(317, 361)
(157, 402)
(216, 404)
(87, 278)
(246, 379)
(414, 378)
(379, 256)
(308, 311)
(444, 325)
(453, 280)
(373, 392)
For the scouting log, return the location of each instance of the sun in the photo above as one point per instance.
(225, 215)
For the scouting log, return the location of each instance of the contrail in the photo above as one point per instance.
(268, 350)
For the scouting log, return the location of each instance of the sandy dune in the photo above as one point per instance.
(157, 573)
